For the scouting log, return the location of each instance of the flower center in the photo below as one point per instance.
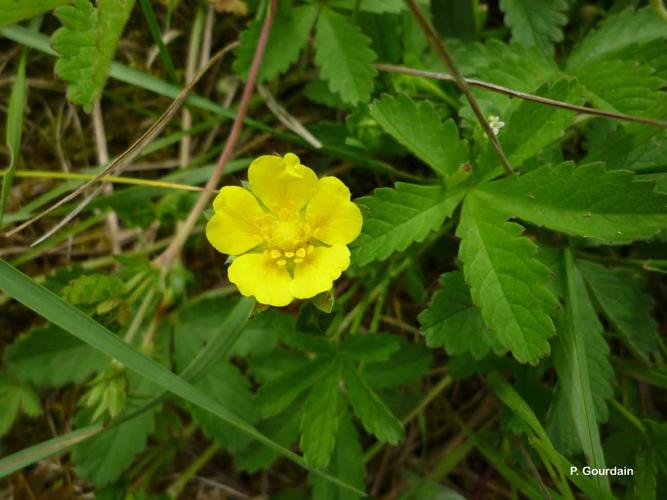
(287, 235)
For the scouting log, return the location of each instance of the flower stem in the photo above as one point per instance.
(175, 247)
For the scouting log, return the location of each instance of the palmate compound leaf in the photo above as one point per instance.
(372, 412)
(452, 321)
(584, 201)
(419, 127)
(620, 295)
(506, 281)
(345, 57)
(289, 35)
(536, 23)
(397, 217)
(51, 357)
(86, 45)
(320, 419)
(347, 463)
(581, 357)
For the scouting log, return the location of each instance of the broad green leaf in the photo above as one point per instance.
(289, 35)
(371, 348)
(347, 463)
(533, 126)
(92, 288)
(223, 382)
(619, 35)
(420, 128)
(51, 357)
(12, 11)
(345, 57)
(14, 398)
(456, 19)
(579, 378)
(372, 412)
(536, 23)
(584, 201)
(656, 433)
(67, 317)
(506, 281)
(102, 458)
(620, 293)
(320, 419)
(277, 394)
(373, 6)
(86, 44)
(645, 469)
(452, 321)
(397, 217)
(404, 367)
(14, 124)
(420, 487)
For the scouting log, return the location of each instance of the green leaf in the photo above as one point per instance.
(420, 128)
(14, 130)
(584, 201)
(620, 293)
(373, 413)
(618, 36)
(67, 317)
(452, 321)
(579, 343)
(533, 126)
(12, 11)
(289, 35)
(86, 44)
(404, 367)
(536, 23)
(420, 487)
(92, 288)
(320, 419)
(371, 347)
(506, 281)
(345, 57)
(51, 357)
(102, 458)
(16, 397)
(347, 463)
(645, 480)
(278, 393)
(399, 216)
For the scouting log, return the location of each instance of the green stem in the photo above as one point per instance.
(154, 28)
(175, 489)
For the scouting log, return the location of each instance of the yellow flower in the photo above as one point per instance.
(289, 233)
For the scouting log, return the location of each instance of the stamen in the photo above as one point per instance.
(289, 255)
(281, 262)
(275, 254)
(298, 260)
(301, 253)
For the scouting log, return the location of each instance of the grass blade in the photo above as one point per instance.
(54, 309)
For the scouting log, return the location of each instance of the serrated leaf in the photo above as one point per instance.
(584, 201)
(536, 23)
(452, 321)
(347, 463)
(399, 216)
(581, 360)
(533, 126)
(405, 366)
(14, 398)
(373, 6)
(419, 127)
(372, 412)
(51, 357)
(506, 281)
(12, 11)
(86, 45)
(618, 34)
(370, 348)
(277, 394)
(345, 57)
(620, 293)
(320, 419)
(92, 288)
(289, 35)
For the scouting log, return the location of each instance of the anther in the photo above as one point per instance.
(297, 260)
(301, 253)
(275, 254)
(281, 262)
(289, 255)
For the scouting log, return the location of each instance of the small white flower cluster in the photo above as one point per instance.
(495, 123)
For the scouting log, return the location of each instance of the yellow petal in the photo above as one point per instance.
(333, 218)
(258, 275)
(233, 228)
(321, 267)
(283, 184)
